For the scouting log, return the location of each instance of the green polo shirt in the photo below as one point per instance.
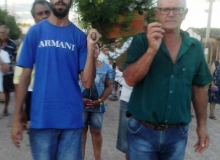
(164, 95)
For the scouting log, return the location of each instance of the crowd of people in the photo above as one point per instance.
(62, 81)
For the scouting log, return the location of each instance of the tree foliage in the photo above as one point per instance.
(10, 22)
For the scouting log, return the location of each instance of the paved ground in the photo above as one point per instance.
(109, 152)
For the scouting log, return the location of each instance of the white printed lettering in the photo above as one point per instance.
(58, 44)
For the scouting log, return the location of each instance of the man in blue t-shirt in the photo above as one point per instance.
(59, 51)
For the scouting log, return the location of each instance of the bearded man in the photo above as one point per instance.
(59, 51)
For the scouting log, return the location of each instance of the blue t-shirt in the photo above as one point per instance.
(102, 73)
(58, 54)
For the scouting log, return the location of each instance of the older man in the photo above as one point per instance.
(9, 46)
(40, 10)
(167, 69)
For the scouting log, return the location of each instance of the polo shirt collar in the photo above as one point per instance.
(186, 43)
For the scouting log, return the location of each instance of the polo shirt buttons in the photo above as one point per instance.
(171, 91)
(172, 76)
(184, 69)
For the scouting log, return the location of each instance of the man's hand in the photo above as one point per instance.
(154, 36)
(214, 88)
(200, 99)
(93, 37)
(17, 132)
(86, 100)
(90, 103)
(93, 104)
(203, 140)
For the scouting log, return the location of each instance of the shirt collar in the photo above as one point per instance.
(186, 43)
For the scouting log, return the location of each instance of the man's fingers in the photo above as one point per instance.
(156, 35)
(155, 27)
(90, 104)
(202, 145)
(154, 24)
(155, 31)
(90, 107)
(16, 133)
(94, 34)
(16, 141)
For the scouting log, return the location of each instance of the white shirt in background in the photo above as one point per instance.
(4, 58)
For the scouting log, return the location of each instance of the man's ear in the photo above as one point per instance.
(185, 13)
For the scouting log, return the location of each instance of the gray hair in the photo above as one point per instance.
(184, 3)
(43, 2)
(5, 27)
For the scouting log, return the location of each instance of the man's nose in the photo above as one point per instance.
(171, 13)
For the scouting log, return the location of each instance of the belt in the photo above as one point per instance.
(159, 127)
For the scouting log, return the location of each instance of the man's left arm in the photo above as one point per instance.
(88, 74)
(200, 100)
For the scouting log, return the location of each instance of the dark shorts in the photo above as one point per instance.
(8, 85)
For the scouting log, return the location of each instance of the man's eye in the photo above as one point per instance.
(47, 12)
(166, 9)
(176, 9)
(39, 14)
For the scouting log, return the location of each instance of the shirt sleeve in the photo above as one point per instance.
(28, 51)
(18, 70)
(125, 46)
(82, 52)
(137, 48)
(109, 72)
(203, 75)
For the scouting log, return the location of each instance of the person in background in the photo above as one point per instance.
(4, 66)
(125, 93)
(214, 89)
(103, 56)
(121, 143)
(119, 50)
(117, 74)
(40, 10)
(94, 106)
(9, 46)
(56, 105)
(167, 70)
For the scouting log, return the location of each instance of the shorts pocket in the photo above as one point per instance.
(134, 126)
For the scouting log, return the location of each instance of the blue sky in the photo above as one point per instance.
(197, 16)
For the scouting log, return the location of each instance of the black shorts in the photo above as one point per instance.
(8, 85)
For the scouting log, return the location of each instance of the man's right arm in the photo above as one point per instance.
(136, 71)
(17, 124)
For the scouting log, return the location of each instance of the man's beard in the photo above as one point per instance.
(60, 13)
